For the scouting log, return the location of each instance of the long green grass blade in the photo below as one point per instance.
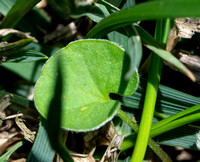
(114, 2)
(136, 13)
(185, 113)
(37, 17)
(189, 118)
(16, 13)
(20, 104)
(41, 150)
(151, 10)
(26, 56)
(96, 11)
(157, 48)
(6, 156)
(28, 70)
(170, 102)
(150, 99)
(184, 136)
(8, 48)
(6, 6)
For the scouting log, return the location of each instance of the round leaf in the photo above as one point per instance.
(91, 70)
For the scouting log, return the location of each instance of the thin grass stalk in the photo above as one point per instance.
(183, 120)
(173, 118)
(174, 124)
(150, 98)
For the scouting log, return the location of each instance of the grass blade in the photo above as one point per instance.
(170, 102)
(16, 13)
(150, 99)
(41, 150)
(6, 156)
(6, 6)
(26, 56)
(132, 45)
(153, 10)
(136, 13)
(182, 118)
(181, 114)
(8, 48)
(156, 148)
(158, 49)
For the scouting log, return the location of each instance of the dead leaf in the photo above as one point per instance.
(85, 143)
(4, 32)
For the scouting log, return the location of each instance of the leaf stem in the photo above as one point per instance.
(125, 118)
(159, 151)
(152, 144)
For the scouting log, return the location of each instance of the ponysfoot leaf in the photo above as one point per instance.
(91, 70)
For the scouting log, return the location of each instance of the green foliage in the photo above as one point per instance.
(55, 112)
(132, 45)
(87, 83)
(6, 156)
(26, 56)
(152, 10)
(18, 10)
(8, 48)
(41, 150)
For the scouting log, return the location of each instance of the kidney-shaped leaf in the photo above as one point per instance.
(91, 70)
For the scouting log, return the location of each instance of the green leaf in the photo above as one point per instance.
(146, 11)
(94, 11)
(158, 49)
(132, 44)
(30, 70)
(6, 6)
(56, 136)
(37, 17)
(8, 48)
(91, 69)
(26, 56)
(6, 156)
(18, 10)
